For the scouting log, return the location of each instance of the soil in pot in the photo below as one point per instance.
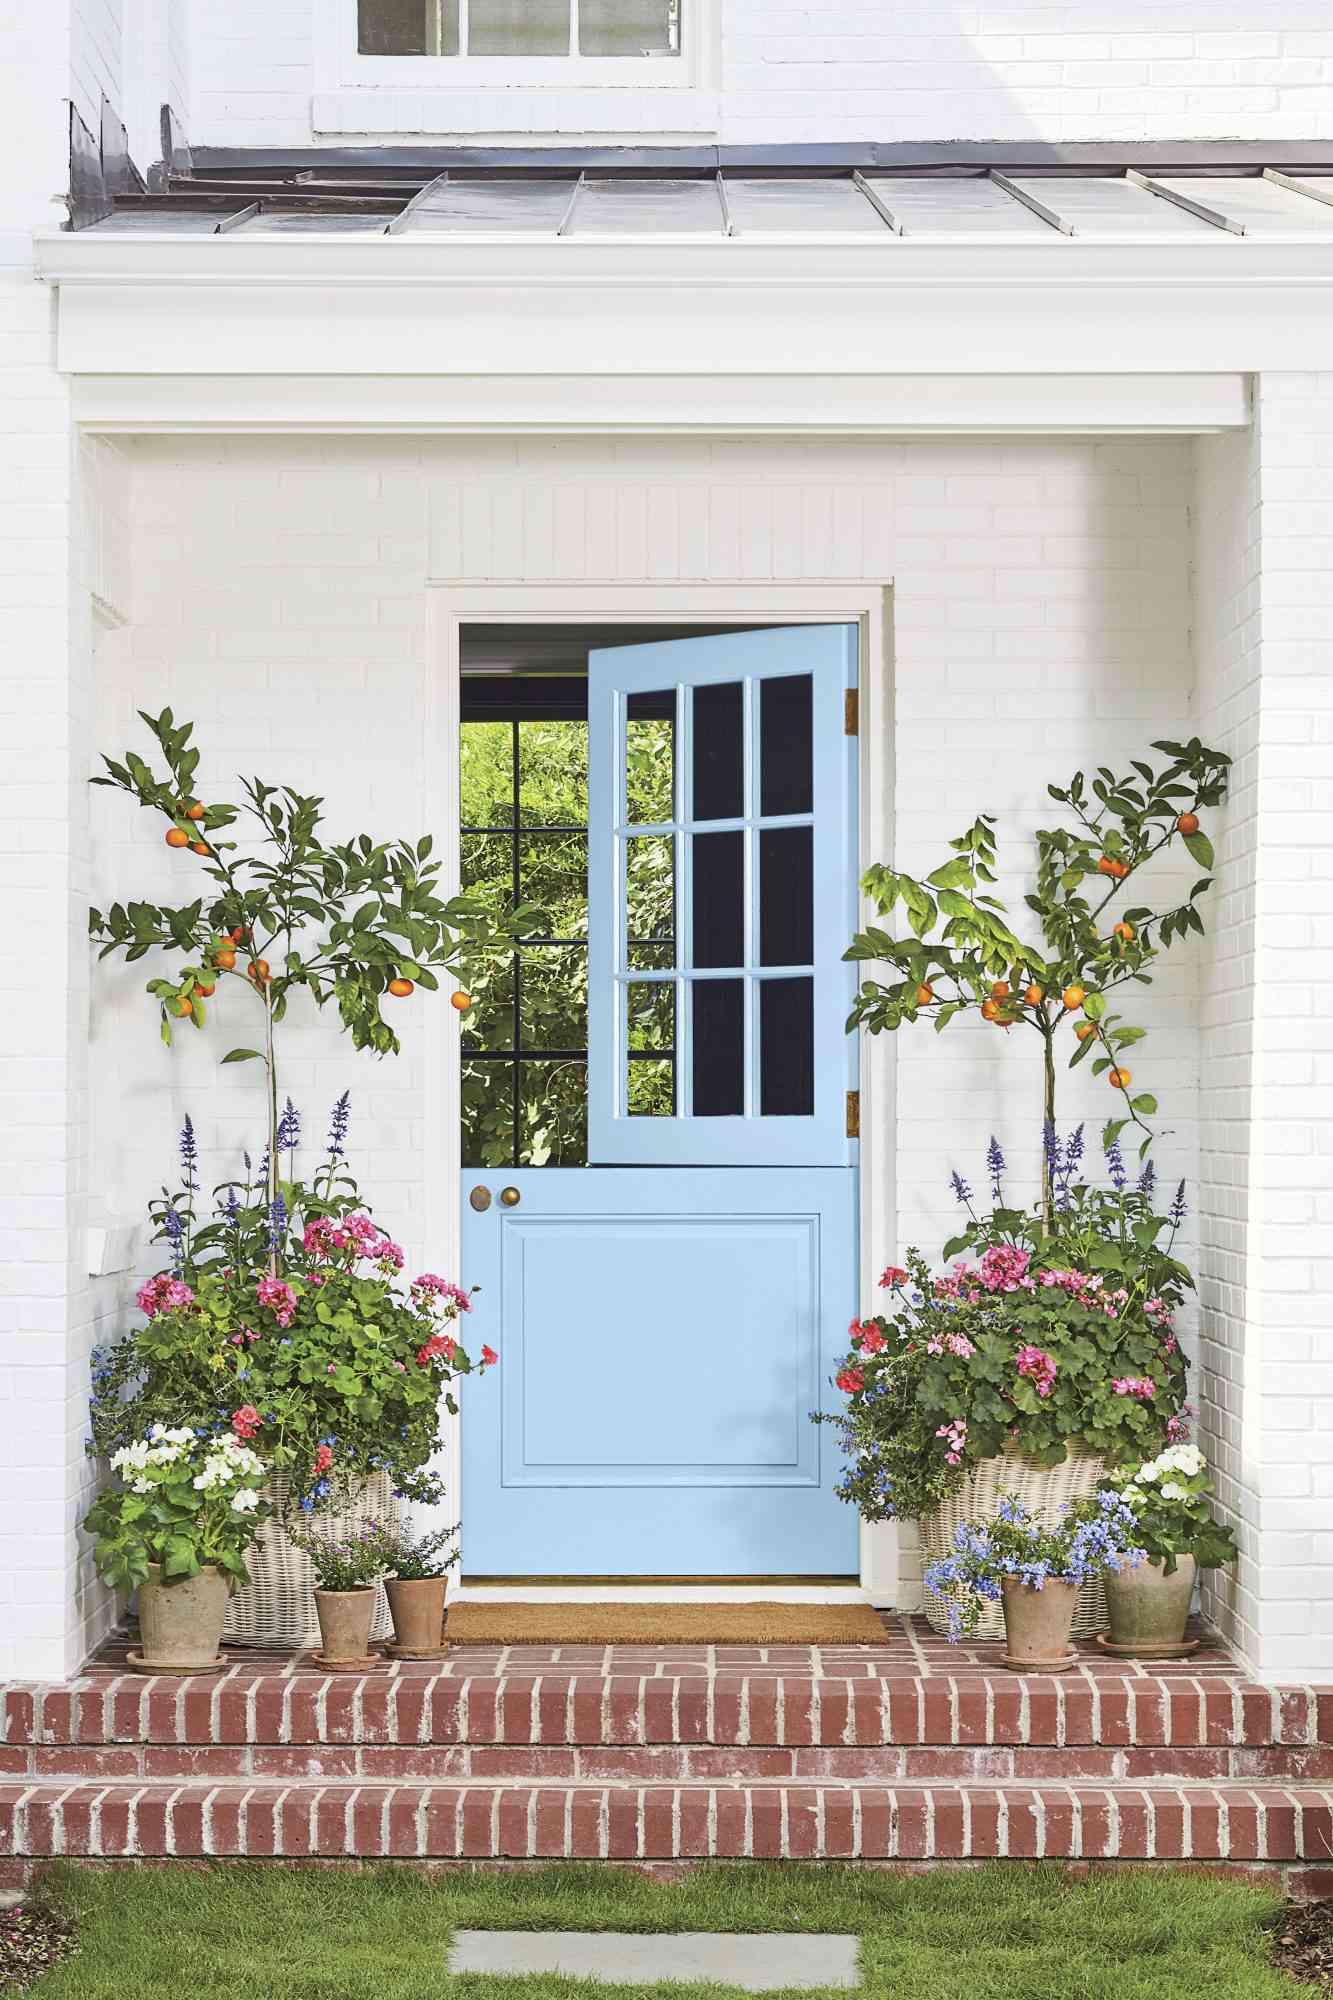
(1037, 1625)
(344, 1622)
(180, 1624)
(417, 1604)
(1148, 1609)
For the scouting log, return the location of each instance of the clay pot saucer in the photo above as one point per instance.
(1021, 1666)
(367, 1663)
(135, 1663)
(1179, 1651)
(394, 1652)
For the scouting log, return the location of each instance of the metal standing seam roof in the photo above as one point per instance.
(689, 202)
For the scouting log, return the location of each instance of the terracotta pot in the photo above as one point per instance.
(181, 1623)
(1037, 1625)
(1148, 1608)
(1046, 1490)
(344, 1622)
(417, 1604)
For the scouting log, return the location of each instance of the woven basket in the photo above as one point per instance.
(277, 1607)
(1044, 1490)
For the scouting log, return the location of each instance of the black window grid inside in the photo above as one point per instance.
(516, 1056)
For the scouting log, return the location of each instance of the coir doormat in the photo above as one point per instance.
(523, 1623)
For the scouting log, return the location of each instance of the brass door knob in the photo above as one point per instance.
(510, 1197)
(480, 1199)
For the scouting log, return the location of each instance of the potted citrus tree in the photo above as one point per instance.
(177, 1525)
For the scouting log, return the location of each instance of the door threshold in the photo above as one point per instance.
(662, 1590)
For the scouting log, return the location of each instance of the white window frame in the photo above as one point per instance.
(343, 67)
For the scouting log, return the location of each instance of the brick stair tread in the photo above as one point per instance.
(568, 1706)
(309, 1818)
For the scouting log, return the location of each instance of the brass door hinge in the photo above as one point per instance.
(851, 712)
(853, 1114)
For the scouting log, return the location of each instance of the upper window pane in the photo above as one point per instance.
(407, 27)
(629, 27)
(518, 28)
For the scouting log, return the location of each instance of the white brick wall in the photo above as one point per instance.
(1041, 610)
(1264, 597)
(844, 69)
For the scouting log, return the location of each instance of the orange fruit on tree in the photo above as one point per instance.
(1125, 933)
(1033, 995)
(183, 1006)
(990, 1010)
(1084, 1029)
(924, 994)
(1106, 866)
(1074, 996)
(461, 1000)
(177, 837)
(199, 847)
(205, 987)
(257, 970)
(237, 935)
(1187, 823)
(196, 811)
(400, 988)
(1119, 869)
(224, 959)
(1000, 990)
(1118, 1078)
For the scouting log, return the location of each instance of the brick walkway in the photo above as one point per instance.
(911, 1751)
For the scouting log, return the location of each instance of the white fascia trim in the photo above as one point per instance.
(668, 261)
(859, 405)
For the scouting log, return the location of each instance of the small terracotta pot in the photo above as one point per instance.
(181, 1623)
(344, 1622)
(417, 1604)
(1149, 1609)
(1037, 1624)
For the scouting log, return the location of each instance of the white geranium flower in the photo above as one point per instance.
(245, 1501)
(1173, 1491)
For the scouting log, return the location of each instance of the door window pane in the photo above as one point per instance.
(407, 27)
(629, 27)
(553, 873)
(651, 1090)
(786, 1048)
(553, 1114)
(719, 1048)
(650, 892)
(553, 774)
(650, 1018)
(518, 28)
(650, 759)
(718, 780)
(719, 899)
(651, 955)
(488, 870)
(786, 895)
(786, 781)
(489, 1022)
(553, 996)
(486, 796)
(488, 1114)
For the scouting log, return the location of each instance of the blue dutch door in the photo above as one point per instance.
(660, 1207)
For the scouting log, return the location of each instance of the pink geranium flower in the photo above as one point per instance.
(278, 1296)
(1039, 1368)
(246, 1421)
(1141, 1386)
(163, 1294)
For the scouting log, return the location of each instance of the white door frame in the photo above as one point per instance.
(869, 607)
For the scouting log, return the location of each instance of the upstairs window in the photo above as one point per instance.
(526, 29)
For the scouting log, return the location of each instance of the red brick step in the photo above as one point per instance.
(1278, 1825)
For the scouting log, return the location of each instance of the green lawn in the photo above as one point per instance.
(1006, 1933)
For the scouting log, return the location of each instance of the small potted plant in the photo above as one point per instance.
(1035, 1571)
(415, 1587)
(178, 1525)
(1149, 1605)
(347, 1574)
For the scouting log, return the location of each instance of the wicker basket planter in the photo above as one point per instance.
(277, 1606)
(1044, 1489)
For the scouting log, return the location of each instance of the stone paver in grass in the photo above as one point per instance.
(761, 1962)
